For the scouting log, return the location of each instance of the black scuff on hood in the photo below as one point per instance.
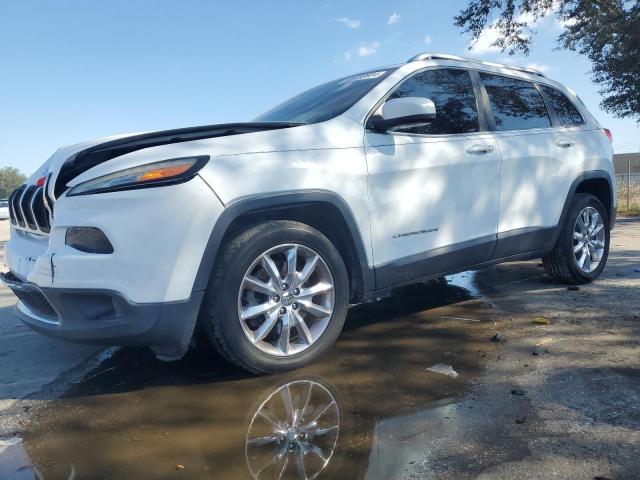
(97, 154)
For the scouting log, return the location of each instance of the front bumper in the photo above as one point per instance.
(106, 317)
(159, 236)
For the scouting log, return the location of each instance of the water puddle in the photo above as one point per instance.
(356, 413)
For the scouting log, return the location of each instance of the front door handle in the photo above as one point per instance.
(564, 143)
(480, 149)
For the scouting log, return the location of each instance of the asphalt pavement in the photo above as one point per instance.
(497, 374)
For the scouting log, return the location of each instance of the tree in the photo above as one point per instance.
(607, 32)
(10, 179)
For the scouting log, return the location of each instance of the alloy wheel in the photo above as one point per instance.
(588, 239)
(286, 300)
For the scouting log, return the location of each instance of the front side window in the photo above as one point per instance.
(516, 104)
(567, 113)
(327, 100)
(452, 93)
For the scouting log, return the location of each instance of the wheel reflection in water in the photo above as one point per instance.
(293, 433)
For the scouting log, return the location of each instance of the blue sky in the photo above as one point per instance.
(74, 70)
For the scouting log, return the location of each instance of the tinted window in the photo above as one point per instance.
(516, 104)
(452, 93)
(327, 100)
(566, 112)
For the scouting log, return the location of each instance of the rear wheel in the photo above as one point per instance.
(278, 297)
(583, 244)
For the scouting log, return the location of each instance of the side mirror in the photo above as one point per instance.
(404, 112)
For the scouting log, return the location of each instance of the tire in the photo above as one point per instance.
(562, 264)
(229, 294)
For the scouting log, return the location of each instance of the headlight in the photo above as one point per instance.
(166, 172)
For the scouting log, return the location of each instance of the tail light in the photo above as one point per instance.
(607, 132)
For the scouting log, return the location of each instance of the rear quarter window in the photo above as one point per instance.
(568, 115)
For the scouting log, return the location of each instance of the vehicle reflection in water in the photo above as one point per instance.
(361, 411)
(294, 432)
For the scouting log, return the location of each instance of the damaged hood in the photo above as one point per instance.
(69, 162)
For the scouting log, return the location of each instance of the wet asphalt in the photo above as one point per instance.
(357, 409)
(414, 388)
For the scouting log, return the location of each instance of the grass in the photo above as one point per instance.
(634, 200)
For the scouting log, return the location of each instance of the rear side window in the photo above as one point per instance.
(452, 93)
(566, 112)
(516, 104)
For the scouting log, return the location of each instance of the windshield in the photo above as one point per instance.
(327, 100)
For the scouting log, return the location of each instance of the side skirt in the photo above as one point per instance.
(372, 296)
(522, 240)
(519, 244)
(434, 262)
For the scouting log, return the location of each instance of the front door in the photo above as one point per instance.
(433, 189)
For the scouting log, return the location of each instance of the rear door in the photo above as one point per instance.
(433, 189)
(536, 174)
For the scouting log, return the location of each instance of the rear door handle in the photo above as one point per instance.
(480, 149)
(564, 143)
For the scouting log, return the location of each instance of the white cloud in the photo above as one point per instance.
(367, 49)
(541, 67)
(364, 50)
(488, 36)
(349, 22)
(485, 41)
(394, 18)
(527, 18)
(570, 22)
(427, 39)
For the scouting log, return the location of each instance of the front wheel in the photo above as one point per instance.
(583, 244)
(278, 297)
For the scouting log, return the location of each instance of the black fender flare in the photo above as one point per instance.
(275, 201)
(590, 175)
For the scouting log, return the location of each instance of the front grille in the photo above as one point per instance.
(16, 212)
(27, 209)
(37, 302)
(40, 211)
(27, 196)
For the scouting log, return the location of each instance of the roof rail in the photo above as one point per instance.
(445, 56)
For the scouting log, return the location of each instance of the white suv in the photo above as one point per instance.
(260, 235)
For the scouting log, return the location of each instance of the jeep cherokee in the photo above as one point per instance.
(261, 234)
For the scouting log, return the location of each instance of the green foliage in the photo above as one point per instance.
(10, 179)
(605, 31)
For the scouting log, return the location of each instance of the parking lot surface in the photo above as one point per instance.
(497, 374)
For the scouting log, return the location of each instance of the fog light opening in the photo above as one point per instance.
(88, 240)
